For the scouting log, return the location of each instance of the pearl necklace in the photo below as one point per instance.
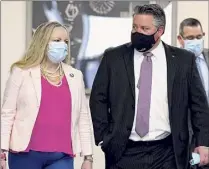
(48, 74)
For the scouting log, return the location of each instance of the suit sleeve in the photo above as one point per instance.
(199, 108)
(99, 101)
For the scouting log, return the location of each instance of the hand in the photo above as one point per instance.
(87, 165)
(204, 154)
(3, 164)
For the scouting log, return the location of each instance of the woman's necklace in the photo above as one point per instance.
(48, 75)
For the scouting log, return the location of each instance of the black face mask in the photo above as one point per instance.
(142, 42)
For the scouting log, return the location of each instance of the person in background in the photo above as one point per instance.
(45, 117)
(140, 99)
(191, 37)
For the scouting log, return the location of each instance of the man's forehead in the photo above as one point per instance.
(192, 30)
(142, 17)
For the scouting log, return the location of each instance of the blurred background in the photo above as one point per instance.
(93, 25)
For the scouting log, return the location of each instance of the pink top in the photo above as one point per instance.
(52, 130)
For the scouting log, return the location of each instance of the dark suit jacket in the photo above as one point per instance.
(112, 102)
(206, 56)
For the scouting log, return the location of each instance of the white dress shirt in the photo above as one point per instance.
(159, 126)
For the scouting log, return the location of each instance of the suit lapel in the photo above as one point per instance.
(36, 78)
(206, 56)
(171, 70)
(129, 63)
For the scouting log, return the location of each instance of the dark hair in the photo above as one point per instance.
(152, 9)
(188, 22)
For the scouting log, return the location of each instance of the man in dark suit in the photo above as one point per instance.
(140, 100)
(190, 37)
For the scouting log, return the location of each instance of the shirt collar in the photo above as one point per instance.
(158, 49)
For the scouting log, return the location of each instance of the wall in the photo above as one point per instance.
(13, 24)
(196, 9)
(13, 38)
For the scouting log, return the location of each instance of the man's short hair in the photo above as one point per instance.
(188, 22)
(152, 9)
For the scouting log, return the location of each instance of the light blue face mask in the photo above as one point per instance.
(195, 46)
(57, 51)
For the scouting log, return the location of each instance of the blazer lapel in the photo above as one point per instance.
(71, 79)
(36, 78)
(129, 63)
(171, 70)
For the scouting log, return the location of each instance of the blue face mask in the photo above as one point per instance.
(57, 51)
(195, 46)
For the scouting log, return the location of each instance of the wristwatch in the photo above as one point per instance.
(88, 158)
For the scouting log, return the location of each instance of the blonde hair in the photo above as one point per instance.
(37, 50)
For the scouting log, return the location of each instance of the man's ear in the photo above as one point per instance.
(161, 30)
(181, 41)
(179, 37)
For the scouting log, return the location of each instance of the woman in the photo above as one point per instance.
(45, 117)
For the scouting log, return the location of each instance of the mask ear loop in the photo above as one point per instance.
(155, 33)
